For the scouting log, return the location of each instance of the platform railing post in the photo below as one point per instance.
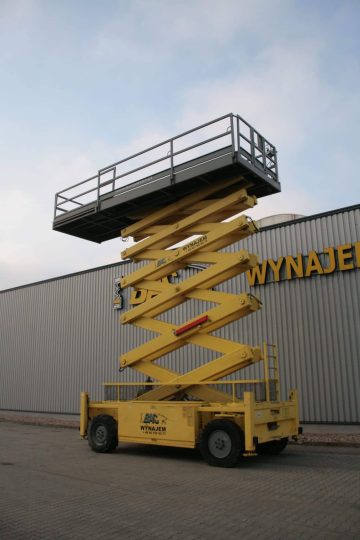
(172, 160)
(276, 166)
(232, 134)
(263, 151)
(238, 133)
(55, 205)
(98, 189)
(252, 146)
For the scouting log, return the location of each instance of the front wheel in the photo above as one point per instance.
(102, 434)
(272, 447)
(221, 443)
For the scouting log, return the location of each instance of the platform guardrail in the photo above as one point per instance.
(230, 132)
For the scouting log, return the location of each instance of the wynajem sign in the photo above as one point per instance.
(343, 257)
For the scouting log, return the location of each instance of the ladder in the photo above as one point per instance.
(271, 368)
(193, 230)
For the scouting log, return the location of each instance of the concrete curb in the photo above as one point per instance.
(46, 422)
(310, 442)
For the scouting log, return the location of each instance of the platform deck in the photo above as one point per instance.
(98, 208)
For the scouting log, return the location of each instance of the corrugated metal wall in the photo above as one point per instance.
(63, 336)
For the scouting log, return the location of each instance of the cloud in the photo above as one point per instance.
(308, 117)
(16, 211)
(278, 95)
(29, 249)
(14, 12)
(290, 201)
(149, 33)
(16, 19)
(157, 69)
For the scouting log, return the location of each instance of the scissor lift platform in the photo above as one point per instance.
(228, 147)
(180, 201)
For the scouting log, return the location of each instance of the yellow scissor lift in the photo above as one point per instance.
(202, 407)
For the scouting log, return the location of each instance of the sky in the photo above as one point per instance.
(84, 84)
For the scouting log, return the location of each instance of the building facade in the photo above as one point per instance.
(61, 336)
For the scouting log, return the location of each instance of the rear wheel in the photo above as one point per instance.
(221, 443)
(272, 447)
(102, 434)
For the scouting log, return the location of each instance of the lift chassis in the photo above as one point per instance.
(222, 432)
(211, 407)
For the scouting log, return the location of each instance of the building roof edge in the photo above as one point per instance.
(311, 217)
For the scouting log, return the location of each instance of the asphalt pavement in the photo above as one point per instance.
(52, 486)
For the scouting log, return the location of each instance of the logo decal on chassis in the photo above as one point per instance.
(152, 423)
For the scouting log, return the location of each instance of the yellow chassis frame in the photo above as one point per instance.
(193, 230)
(183, 421)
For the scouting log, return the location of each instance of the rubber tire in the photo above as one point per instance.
(272, 448)
(109, 441)
(237, 443)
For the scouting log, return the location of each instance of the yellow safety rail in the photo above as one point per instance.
(118, 389)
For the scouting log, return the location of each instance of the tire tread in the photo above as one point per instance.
(237, 439)
(112, 434)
